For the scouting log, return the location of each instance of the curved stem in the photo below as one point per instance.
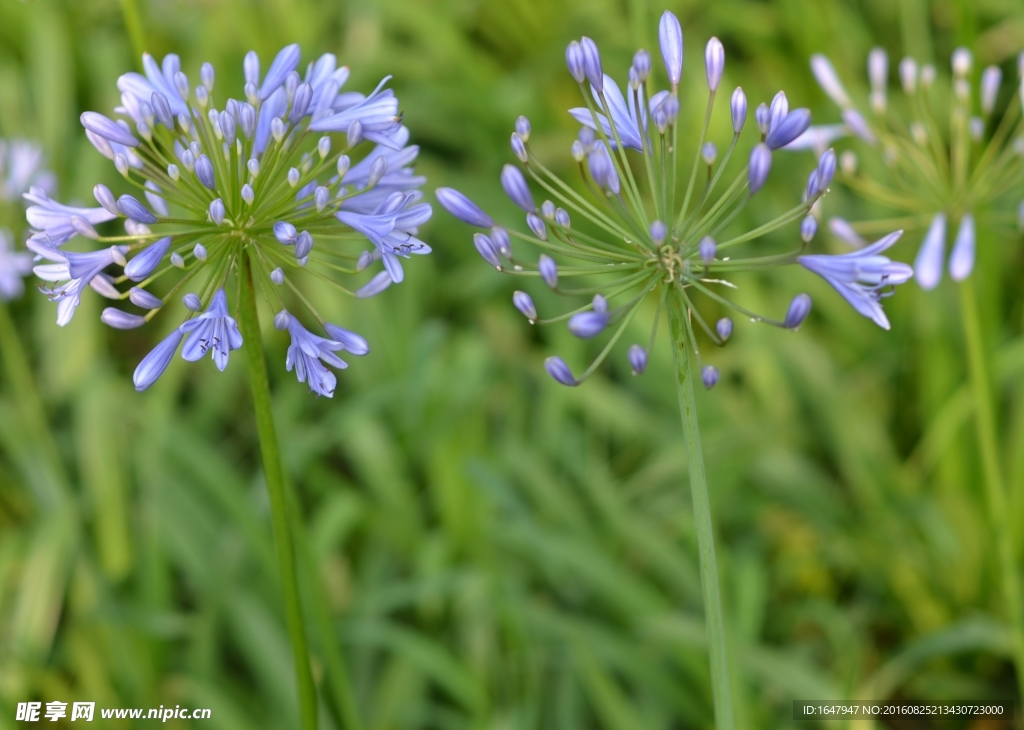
(995, 490)
(274, 475)
(713, 619)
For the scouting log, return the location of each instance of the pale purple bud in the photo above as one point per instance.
(199, 251)
(375, 286)
(763, 116)
(177, 261)
(285, 232)
(878, 69)
(587, 137)
(277, 128)
(121, 164)
(671, 108)
(812, 185)
(142, 298)
(106, 199)
(707, 248)
(642, 65)
(724, 328)
(574, 60)
(156, 362)
(708, 153)
(659, 231)
(548, 270)
(588, 324)
(248, 195)
(577, 151)
(247, 120)
(181, 84)
(135, 210)
(253, 165)
(293, 176)
(145, 262)
(637, 359)
(670, 38)
(537, 226)
(518, 148)
(908, 75)
(600, 166)
(206, 76)
(788, 128)
(162, 109)
(515, 187)
(300, 104)
(961, 62)
(714, 62)
(227, 127)
(217, 211)
(562, 217)
(107, 128)
(778, 110)
(547, 209)
(600, 304)
(202, 97)
(524, 303)
(739, 109)
(991, 77)
(709, 376)
(354, 344)
(858, 126)
(486, 249)
(303, 245)
(192, 302)
(204, 171)
(808, 227)
(462, 208)
(364, 260)
(323, 147)
(558, 370)
(501, 241)
(961, 261)
(523, 128)
(760, 166)
(320, 198)
(826, 169)
(798, 310)
(121, 320)
(281, 320)
(377, 169)
(592, 63)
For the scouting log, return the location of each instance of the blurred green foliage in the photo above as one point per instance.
(484, 548)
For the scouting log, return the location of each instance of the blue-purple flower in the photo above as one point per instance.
(269, 184)
(862, 277)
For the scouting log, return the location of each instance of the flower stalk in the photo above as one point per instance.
(995, 488)
(276, 489)
(713, 618)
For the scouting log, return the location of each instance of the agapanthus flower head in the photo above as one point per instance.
(629, 231)
(281, 185)
(949, 156)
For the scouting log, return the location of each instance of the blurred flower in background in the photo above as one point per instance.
(264, 188)
(21, 167)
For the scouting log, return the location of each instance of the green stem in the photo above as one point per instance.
(25, 393)
(274, 475)
(995, 490)
(133, 24)
(702, 519)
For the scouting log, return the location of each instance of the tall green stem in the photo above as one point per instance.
(25, 393)
(995, 489)
(713, 619)
(274, 475)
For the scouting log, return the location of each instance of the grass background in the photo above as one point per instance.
(485, 548)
